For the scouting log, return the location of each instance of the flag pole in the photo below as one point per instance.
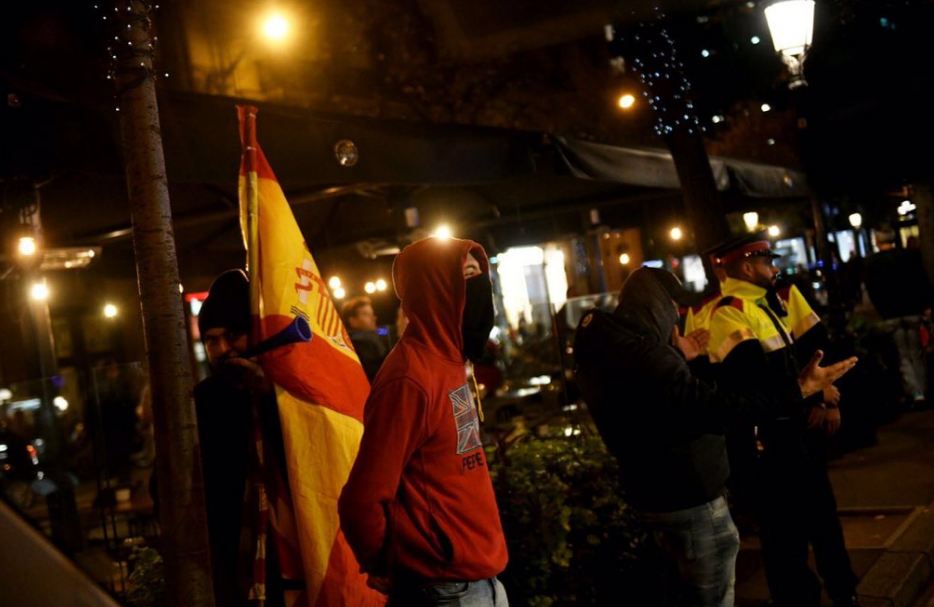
(247, 117)
(178, 465)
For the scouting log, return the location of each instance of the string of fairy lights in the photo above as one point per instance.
(665, 86)
(128, 57)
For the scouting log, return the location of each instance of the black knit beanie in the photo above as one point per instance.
(227, 304)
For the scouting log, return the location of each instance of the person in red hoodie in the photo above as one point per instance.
(418, 509)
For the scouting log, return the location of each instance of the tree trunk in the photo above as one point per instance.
(178, 465)
(702, 202)
(924, 203)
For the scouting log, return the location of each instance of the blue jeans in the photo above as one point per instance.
(482, 593)
(701, 544)
(906, 332)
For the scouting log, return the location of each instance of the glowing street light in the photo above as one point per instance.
(751, 219)
(110, 310)
(61, 403)
(626, 101)
(775, 231)
(624, 259)
(381, 285)
(443, 232)
(334, 282)
(275, 27)
(27, 246)
(791, 24)
(676, 233)
(856, 220)
(370, 287)
(340, 293)
(39, 291)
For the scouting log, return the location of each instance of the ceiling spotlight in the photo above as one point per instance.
(676, 233)
(751, 219)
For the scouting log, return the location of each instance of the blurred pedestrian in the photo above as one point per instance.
(418, 509)
(117, 402)
(752, 344)
(901, 292)
(361, 322)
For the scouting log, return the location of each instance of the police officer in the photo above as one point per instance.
(752, 343)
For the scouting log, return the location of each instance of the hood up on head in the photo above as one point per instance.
(428, 276)
(646, 300)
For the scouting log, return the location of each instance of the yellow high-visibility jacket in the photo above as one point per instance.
(741, 314)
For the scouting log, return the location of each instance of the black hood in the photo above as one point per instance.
(646, 301)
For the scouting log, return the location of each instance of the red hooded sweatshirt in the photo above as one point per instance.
(419, 502)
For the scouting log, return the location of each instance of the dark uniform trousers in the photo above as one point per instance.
(796, 507)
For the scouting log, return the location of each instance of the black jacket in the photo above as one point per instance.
(662, 422)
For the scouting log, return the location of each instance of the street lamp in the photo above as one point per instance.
(626, 101)
(775, 231)
(276, 27)
(39, 291)
(624, 259)
(27, 246)
(381, 285)
(791, 24)
(340, 293)
(370, 287)
(110, 310)
(676, 233)
(334, 282)
(856, 220)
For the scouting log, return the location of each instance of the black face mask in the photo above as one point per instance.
(478, 316)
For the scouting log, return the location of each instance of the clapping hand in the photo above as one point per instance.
(692, 345)
(814, 378)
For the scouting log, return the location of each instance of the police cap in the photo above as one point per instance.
(744, 247)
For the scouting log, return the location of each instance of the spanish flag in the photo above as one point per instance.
(320, 391)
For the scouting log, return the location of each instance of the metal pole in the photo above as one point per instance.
(178, 465)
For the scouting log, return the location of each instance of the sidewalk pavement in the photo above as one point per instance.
(885, 496)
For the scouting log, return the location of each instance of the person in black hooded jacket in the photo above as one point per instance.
(665, 426)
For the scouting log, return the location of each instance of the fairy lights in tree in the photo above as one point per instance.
(665, 86)
(132, 45)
